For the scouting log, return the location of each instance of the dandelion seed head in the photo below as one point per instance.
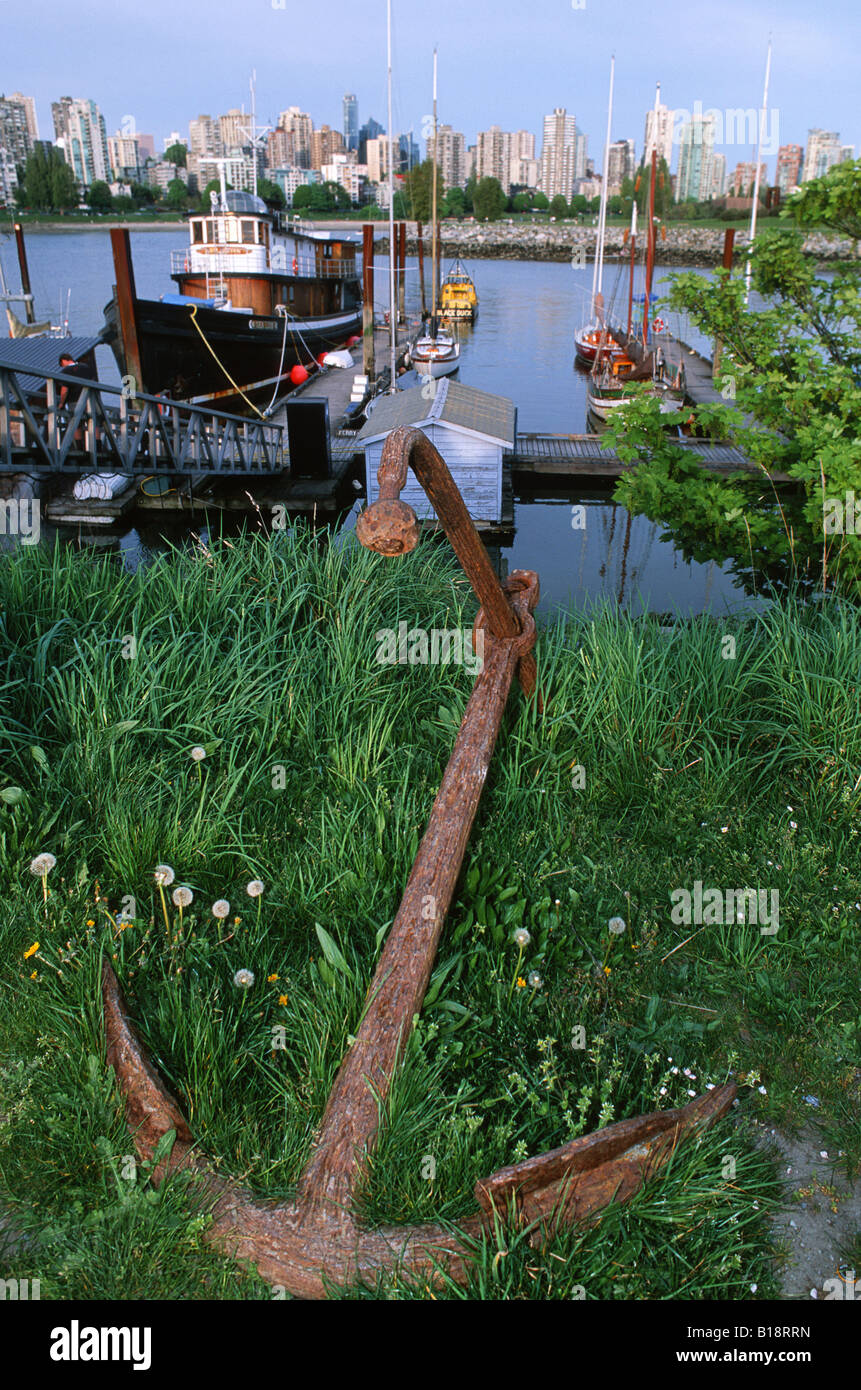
(616, 926)
(220, 908)
(182, 896)
(534, 979)
(522, 937)
(164, 875)
(244, 979)
(254, 888)
(42, 864)
(197, 753)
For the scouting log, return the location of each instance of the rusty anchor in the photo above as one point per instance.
(315, 1238)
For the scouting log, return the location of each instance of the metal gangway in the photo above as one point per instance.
(115, 429)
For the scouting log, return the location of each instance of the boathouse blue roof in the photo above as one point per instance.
(37, 355)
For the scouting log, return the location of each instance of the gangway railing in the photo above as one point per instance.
(116, 429)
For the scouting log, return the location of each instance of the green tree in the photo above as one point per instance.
(489, 201)
(64, 188)
(579, 204)
(176, 195)
(663, 189)
(790, 373)
(522, 202)
(454, 203)
(558, 206)
(469, 192)
(418, 184)
(204, 202)
(176, 154)
(99, 196)
(48, 183)
(122, 203)
(834, 201)
(542, 202)
(142, 194)
(271, 192)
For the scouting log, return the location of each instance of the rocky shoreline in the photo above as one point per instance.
(698, 246)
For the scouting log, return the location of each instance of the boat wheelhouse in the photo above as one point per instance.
(458, 298)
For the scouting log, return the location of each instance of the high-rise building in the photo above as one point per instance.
(408, 151)
(659, 131)
(789, 159)
(452, 156)
(80, 130)
(298, 125)
(743, 178)
(621, 165)
(696, 151)
(8, 178)
(822, 153)
(351, 122)
(325, 143)
(371, 130)
(847, 154)
(15, 137)
(29, 104)
(377, 159)
(234, 128)
(718, 175)
(563, 154)
(291, 178)
(204, 137)
(493, 156)
(124, 155)
(352, 177)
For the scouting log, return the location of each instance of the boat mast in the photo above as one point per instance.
(392, 315)
(602, 215)
(633, 252)
(650, 245)
(747, 270)
(435, 248)
(253, 131)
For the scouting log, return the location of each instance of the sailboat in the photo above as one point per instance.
(435, 353)
(592, 338)
(639, 363)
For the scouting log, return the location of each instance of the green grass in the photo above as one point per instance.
(320, 772)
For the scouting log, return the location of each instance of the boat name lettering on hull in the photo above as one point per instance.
(259, 323)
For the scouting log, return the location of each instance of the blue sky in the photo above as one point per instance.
(500, 62)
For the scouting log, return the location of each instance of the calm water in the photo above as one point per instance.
(521, 347)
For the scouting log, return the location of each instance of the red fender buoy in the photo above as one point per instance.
(298, 375)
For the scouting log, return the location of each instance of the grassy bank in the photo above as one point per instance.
(320, 769)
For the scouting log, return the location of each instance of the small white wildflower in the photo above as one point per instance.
(220, 908)
(754, 1287)
(164, 875)
(254, 888)
(182, 896)
(534, 980)
(244, 979)
(762, 1091)
(724, 829)
(663, 1090)
(823, 1153)
(522, 937)
(674, 1070)
(691, 1093)
(616, 925)
(793, 825)
(197, 753)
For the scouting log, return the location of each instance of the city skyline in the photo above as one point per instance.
(728, 48)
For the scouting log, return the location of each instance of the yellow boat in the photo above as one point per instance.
(458, 299)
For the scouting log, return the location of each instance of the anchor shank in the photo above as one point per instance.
(398, 987)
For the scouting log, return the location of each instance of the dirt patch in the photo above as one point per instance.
(821, 1216)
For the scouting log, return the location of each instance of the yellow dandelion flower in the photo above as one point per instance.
(270, 979)
(282, 999)
(606, 970)
(521, 983)
(34, 975)
(31, 950)
(90, 922)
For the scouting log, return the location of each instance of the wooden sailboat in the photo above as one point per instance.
(435, 353)
(591, 338)
(640, 364)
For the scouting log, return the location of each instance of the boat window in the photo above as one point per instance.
(197, 231)
(261, 233)
(248, 232)
(231, 229)
(327, 252)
